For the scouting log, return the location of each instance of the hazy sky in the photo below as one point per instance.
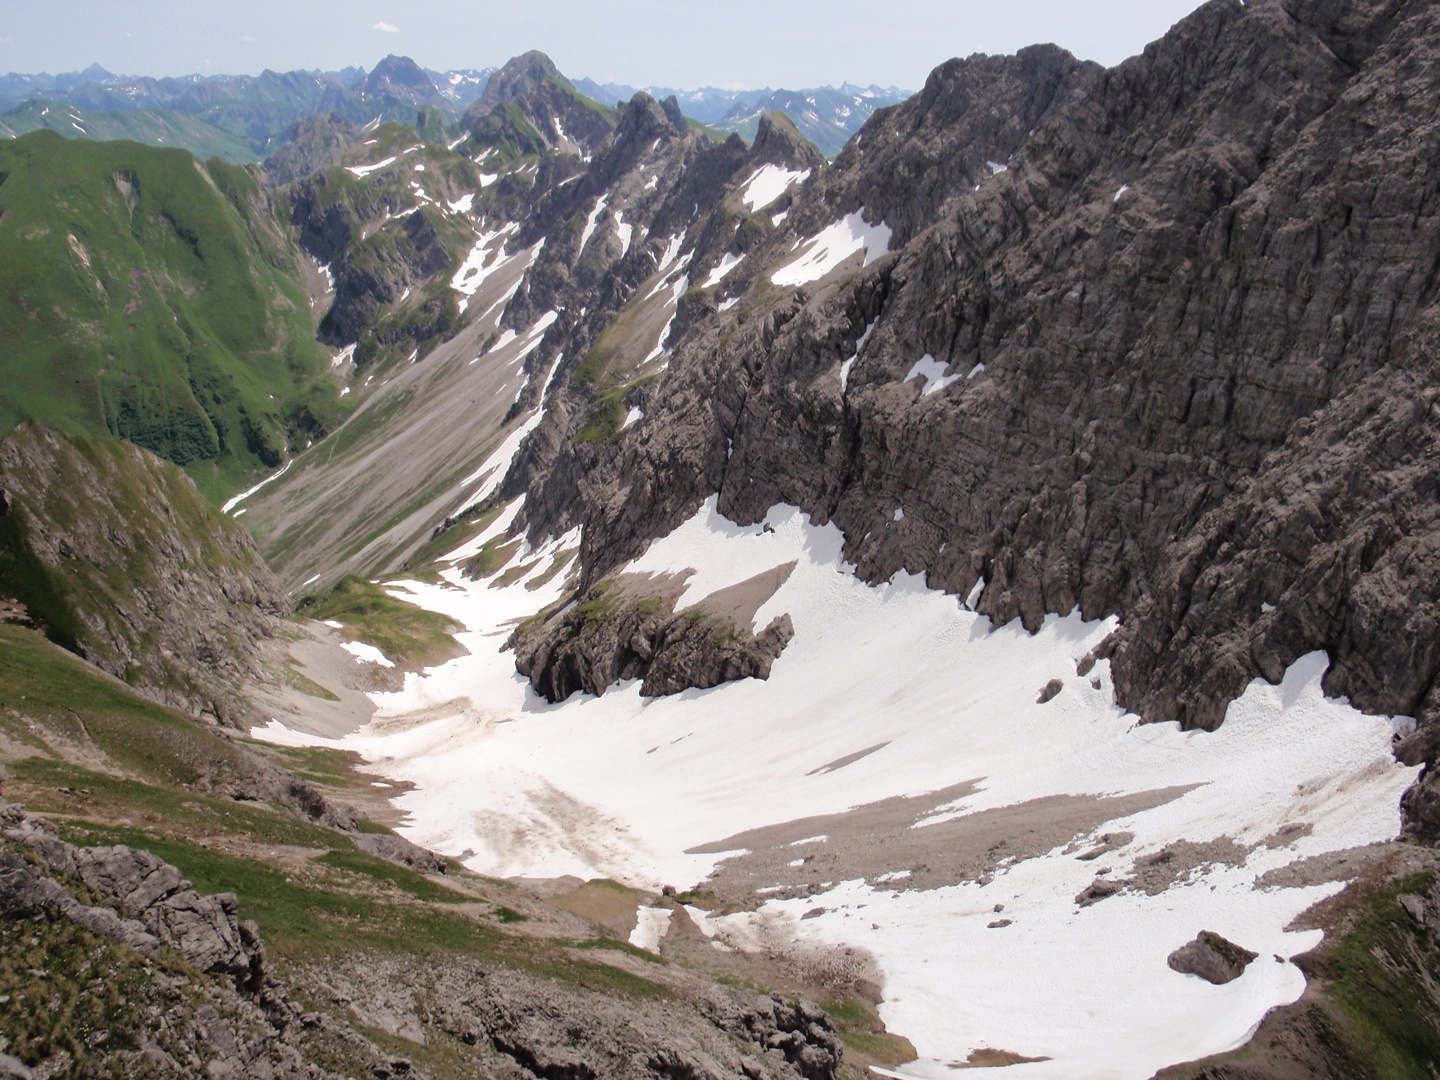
(740, 43)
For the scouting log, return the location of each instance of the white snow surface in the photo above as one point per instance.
(366, 170)
(494, 468)
(473, 272)
(620, 786)
(238, 499)
(634, 416)
(722, 269)
(367, 652)
(593, 220)
(768, 183)
(933, 372)
(832, 246)
(462, 205)
(650, 927)
(624, 232)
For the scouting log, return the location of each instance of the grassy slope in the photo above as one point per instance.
(153, 127)
(145, 296)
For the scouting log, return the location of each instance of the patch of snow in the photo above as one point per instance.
(1266, 608)
(996, 168)
(238, 499)
(462, 205)
(781, 216)
(652, 182)
(592, 220)
(726, 305)
(420, 166)
(333, 623)
(486, 179)
(634, 416)
(624, 232)
(727, 264)
(768, 183)
(933, 372)
(366, 170)
(899, 514)
(368, 653)
(978, 369)
(1123, 188)
(832, 246)
(650, 927)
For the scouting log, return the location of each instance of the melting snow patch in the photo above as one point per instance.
(933, 372)
(462, 205)
(486, 179)
(978, 369)
(650, 927)
(368, 653)
(728, 304)
(624, 232)
(592, 220)
(366, 170)
(1123, 188)
(767, 184)
(996, 168)
(345, 355)
(728, 263)
(634, 416)
(833, 246)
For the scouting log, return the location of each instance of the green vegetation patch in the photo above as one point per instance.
(417, 885)
(148, 297)
(409, 635)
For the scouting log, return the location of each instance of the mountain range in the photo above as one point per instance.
(1012, 516)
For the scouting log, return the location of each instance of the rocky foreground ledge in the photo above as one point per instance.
(112, 964)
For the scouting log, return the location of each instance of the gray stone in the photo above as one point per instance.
(1211, 957)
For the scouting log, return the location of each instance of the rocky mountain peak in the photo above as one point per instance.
(645, 120)
(519, 78)
(779, 142)
(314, 142)
(400, 77)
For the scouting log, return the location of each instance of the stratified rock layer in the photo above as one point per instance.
(1202, 289)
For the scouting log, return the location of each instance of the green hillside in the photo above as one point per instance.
(147, 296)
(154, 127)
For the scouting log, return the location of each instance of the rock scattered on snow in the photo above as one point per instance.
(1212, 957)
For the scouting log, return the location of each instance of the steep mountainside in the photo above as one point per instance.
(1182, 277)
(115, 555)
(148, 297)
(528, 107)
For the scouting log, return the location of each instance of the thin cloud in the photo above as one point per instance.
(387, 28)
(249, 40)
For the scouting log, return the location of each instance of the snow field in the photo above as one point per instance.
(621, 786)
(768, 183)
(832, 246)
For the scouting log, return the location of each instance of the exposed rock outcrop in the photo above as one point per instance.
(1201, 288)
(1212, 957)
(610, 636)
(122, 560)
(315, 142)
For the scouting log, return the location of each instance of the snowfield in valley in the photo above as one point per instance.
(896, 691)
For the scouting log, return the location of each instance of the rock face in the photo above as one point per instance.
(1211, 957)
(144, 904)
(1188, 306)
(531, 107)
(120, 559)
(400, 78)
(530, 1027)
(609, 636)
(315, 142)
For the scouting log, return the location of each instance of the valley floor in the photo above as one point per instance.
(895, 799)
